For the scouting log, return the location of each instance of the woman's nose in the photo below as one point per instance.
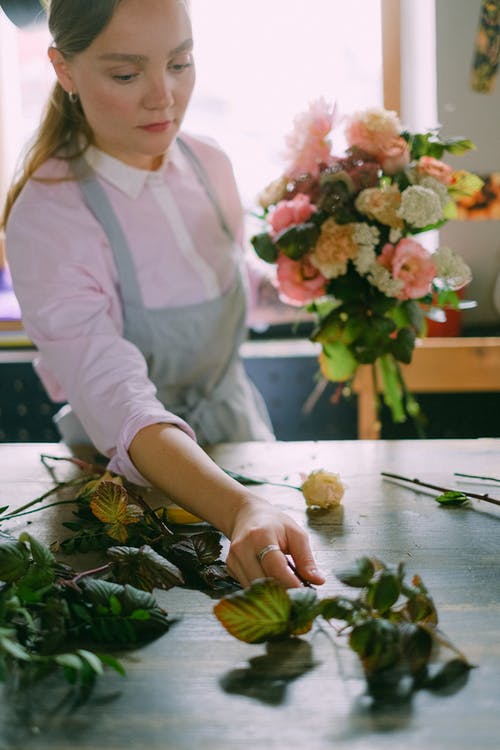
(159, 94)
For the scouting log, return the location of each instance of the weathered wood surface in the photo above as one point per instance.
(197, 687)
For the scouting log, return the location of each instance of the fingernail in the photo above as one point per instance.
(317, 572)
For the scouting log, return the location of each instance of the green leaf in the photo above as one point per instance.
(454, 671)
(416, 646)
(259, 613)
(337, 362)
(337, 608)
(265, 247)
(304, 609)
(10, 645)
(376, 641)
(41, 554)
(110, 661)
(383, 592)
(70, 661)
(360, 573)
(451, 497)
(196, 549)
(392, 388)
(403, 345)
(144, 568)
(92, 660)
(14, 560)
(296, 241)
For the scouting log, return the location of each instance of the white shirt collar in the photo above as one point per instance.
(130, 180)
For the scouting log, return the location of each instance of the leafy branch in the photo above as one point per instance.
(449, 496)
(391, 625)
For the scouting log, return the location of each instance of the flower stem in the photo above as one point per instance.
(484, 497)
(475, 476)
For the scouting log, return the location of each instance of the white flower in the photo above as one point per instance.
(438, 187)
(420, 206)
(365, 259)
(366, 236)
(451, 269)
(323, 489)
(382, 279)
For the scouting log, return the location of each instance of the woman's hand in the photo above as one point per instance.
(261, 528)
(176, 464)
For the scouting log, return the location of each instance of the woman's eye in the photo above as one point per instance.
(180, 65)
(124, 77)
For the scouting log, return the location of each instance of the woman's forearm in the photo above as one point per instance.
(174, 463)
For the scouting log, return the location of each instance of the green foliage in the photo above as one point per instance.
(391, 624)
(52, 619)
(297, 240)
(265, 247)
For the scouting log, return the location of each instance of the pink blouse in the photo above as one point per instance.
(66, 281)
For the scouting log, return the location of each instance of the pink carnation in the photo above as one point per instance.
(287, 213)
(308, 147)
(299, 281)
(412, 264)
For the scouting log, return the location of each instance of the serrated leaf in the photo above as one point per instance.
(451, 497)
(144, 568)
(259, 613)
(110, 505)
(196, 549)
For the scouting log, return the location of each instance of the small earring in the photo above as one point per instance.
(73, 97)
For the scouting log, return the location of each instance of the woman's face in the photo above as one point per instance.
(135, 80)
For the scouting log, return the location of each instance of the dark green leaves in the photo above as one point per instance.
(296, 241)
(143, 568)
(265, 247)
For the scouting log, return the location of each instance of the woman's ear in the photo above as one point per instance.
(62, 70)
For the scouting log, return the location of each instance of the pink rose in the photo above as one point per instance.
(430, 167)
(299, 281)
(287, 213)
(412, 264)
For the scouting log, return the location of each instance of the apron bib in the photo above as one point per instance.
(192, 352)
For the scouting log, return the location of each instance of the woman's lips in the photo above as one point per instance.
(156, 127)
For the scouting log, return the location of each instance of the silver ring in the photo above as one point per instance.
(268, 548)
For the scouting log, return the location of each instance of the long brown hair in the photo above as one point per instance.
(63, 130)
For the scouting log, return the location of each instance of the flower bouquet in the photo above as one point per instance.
(341, 230)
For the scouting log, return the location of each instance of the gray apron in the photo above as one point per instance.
(192, 352)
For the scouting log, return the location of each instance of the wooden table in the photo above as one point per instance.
(197, 687)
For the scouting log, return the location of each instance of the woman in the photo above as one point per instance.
(126, 268)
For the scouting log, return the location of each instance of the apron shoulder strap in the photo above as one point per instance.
(204, 180)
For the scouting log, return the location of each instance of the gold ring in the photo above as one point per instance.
(268, 548)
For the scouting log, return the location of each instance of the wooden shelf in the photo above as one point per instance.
(439, 365)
